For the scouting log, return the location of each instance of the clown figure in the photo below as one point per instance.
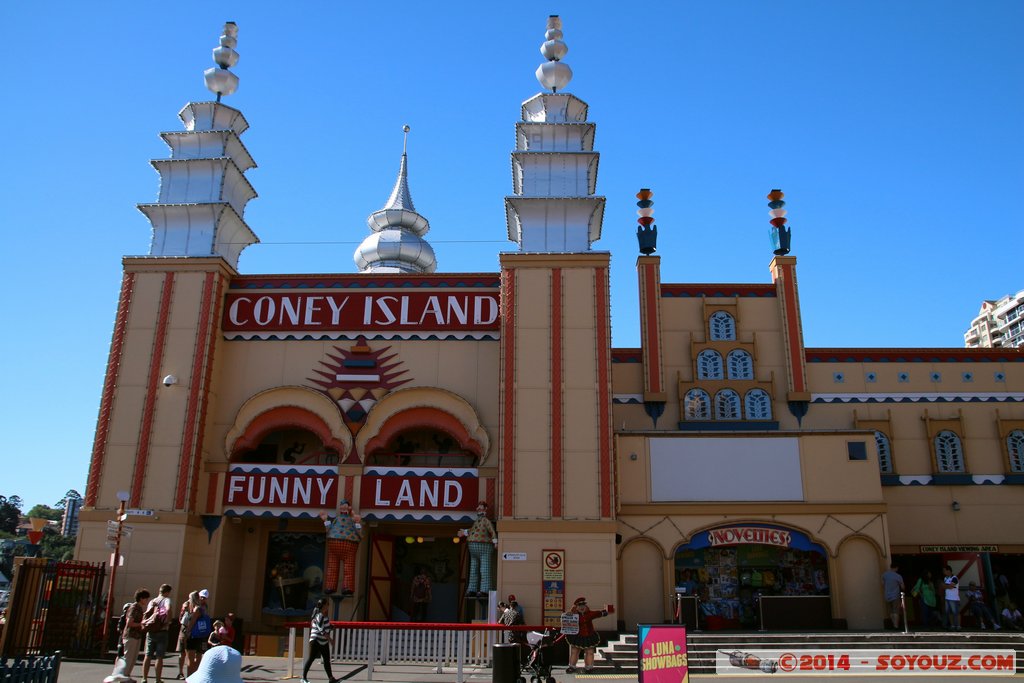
(482, 542)
(344, 532)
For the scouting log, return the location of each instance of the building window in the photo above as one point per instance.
(709, 365)
(759, 405)
(884, 453)
(949, 453)
(697, 405)
(727, 405)
(741, 365)
(1015, 449)
(723, 327)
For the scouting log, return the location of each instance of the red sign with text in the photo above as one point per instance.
(277, 487)
(419, 488)
(360, 311)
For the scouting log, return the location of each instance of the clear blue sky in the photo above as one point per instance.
(896, 130)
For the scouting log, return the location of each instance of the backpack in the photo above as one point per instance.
(123, 620)
(156, 616)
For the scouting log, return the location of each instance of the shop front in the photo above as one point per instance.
(747, 576)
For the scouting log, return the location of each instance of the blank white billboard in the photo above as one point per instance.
(725, 469)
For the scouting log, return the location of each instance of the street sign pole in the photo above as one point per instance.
(113, 572)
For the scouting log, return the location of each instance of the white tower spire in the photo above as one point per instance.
(203, 189)
(553, 207)
(397, 244)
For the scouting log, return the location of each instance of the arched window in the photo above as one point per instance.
(727, 405)
(722, 326)
(949, 453)
(741, 365)
(697, 405)
(884, 453)
(1015, 449)
(709, 365)
(759, 405)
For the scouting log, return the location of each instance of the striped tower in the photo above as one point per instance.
(150, 435)
(556, 460)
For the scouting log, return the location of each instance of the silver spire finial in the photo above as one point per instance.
(405, 142)
(219, 79)
(554, 74)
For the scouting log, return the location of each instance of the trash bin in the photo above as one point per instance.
(505, 664)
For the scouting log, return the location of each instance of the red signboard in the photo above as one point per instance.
(419, 488)
(280, 488)
(366, 311)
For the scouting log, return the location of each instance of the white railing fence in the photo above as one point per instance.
(438, 645)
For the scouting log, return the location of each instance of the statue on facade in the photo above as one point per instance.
(483, 539)
(344, 531)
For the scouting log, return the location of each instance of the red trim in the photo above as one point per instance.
(651, 331)
(99, 446)
(423, 416)
(717, 289)
(185, 459)
(280, 417)
(627, 355)
(508, 345)
(331, 281)
(556, 392)
(603, 339)
(149, 406)
(939, 355)
(210, 346)
(211, 493)
(792, 312)
(416, 626)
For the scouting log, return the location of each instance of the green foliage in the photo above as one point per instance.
(72, 493)
(10, 511)
(56, 546)
(46, 512)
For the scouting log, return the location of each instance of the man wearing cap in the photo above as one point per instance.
(482, 540)
(588, 638)
(343, 535)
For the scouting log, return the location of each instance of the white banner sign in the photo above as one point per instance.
(840, 662)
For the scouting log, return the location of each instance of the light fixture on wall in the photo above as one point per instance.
(956, 506)
(170, 380)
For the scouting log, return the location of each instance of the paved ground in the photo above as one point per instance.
(266, 669)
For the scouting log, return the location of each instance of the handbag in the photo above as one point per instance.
(202, 627)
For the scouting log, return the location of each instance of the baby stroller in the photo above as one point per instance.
(538, 666)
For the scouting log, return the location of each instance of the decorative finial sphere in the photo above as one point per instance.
(405, 128)
(554, 74)
(219, 80)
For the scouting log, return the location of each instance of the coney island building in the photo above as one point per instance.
(721, 461)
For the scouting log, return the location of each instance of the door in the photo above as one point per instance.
(382, 577)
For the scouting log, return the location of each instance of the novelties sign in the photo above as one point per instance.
(743, 535)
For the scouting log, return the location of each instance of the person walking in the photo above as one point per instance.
(892, 586)
(421, 594)
(198, 627)
(157, 622)
(131, 638)
(952, 595)
(924, 591)
(321, 637)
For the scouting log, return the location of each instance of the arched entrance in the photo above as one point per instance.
(643, 571)
(733, 568)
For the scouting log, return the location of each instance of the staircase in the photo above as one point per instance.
(620, 656)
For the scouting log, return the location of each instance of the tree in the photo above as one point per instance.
(46, 512)
(56, 546)
(72, 493)
(10, 511)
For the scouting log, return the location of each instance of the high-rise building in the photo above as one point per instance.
(999, 324)
(69, 521)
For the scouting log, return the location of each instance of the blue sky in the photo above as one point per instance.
(895, 130)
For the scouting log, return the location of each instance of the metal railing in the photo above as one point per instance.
(439, 645)
(31, 670)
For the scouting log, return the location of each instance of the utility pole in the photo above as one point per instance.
(122, 497)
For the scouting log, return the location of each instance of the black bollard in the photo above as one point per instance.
(505, 663)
